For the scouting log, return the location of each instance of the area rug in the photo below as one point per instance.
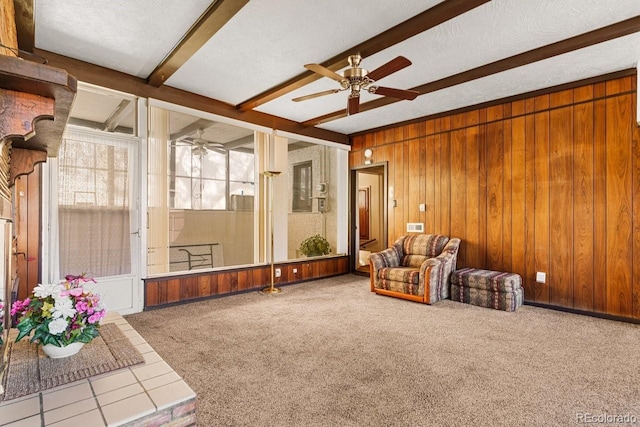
(30, 370)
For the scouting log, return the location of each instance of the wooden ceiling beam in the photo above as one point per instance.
(571, 44)
(214, 18)
(430, 18)
(25, 24)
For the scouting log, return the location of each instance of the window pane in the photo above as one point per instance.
(93, 207)
(213, 194)
(214, 165)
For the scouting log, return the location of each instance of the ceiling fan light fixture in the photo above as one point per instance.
(356, 79)
(199, 150)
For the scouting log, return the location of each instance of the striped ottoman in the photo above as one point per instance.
(486, 288)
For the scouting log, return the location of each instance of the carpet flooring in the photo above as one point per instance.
(331, 353)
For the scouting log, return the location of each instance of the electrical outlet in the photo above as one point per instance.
(295, 271)
(541, 277)
(278, 272)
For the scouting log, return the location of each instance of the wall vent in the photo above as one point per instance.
(415, 227)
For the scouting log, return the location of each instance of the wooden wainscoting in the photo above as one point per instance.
(549, 182)
(159, 292)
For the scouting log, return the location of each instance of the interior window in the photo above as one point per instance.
(302, 181)
(205, 170)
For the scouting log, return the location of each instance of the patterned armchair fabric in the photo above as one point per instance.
(416, 267)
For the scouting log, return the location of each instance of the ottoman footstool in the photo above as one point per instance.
(487, 288)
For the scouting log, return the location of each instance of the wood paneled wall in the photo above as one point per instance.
(550, 183)
(160, 292)
(26, 247)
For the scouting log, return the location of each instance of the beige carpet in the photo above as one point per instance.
(331, 353)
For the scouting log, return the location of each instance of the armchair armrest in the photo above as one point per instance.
(386, 258)
(435, 273)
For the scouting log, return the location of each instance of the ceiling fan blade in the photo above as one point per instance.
(315, 95)
(353, 105)
(390, 67)
(395, 93)
(317, 68)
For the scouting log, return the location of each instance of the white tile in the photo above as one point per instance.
(91, 418)
(68, 411)
(62, 396)
(171, 394)
(151, 357)
(27, 422)
(120, 394)
(106, 383)
(127, 410)
(161, 380)
(151, 370)
(144, 348)
(19, 409)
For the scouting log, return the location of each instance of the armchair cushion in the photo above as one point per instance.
(418, 248)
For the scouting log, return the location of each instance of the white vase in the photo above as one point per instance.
(55, 352)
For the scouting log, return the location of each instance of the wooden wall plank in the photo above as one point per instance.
(430, 184)
(471, 235)
(458, 186)
(560, 273)
(437, 185)
(636, 218)
(618, 162)
(422, 189)
(600, 204)
(412, 177)
(445, 182)
(528, 279)
(583, 206)
(507, 201)
(495, 193)
(541, 207)
(398, 190)
(518, 195)
(482, 191)
(204, 286)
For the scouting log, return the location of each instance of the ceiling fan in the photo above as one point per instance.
(201, 146)
(356, 79)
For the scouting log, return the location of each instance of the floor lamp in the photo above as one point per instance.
(270, 176)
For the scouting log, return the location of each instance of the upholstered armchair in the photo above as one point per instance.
(417, 267)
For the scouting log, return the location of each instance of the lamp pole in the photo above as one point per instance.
(270, 176)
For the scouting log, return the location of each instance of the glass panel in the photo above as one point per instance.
(93, 200)
(312, 197)
(210, 184)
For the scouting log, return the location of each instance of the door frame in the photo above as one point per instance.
(354, 246)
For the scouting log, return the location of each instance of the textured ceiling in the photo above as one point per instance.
(267, 42)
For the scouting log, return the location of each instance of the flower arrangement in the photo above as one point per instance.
(60, 313)
(315, 246)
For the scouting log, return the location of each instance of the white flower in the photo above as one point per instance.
(63, 308)
(58, 326)
(45, 290)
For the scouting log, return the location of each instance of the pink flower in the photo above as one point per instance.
(76, 292)
(95, 317)
(19, 307)
(82, 306)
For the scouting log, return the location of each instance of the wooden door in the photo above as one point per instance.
(363, 208)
